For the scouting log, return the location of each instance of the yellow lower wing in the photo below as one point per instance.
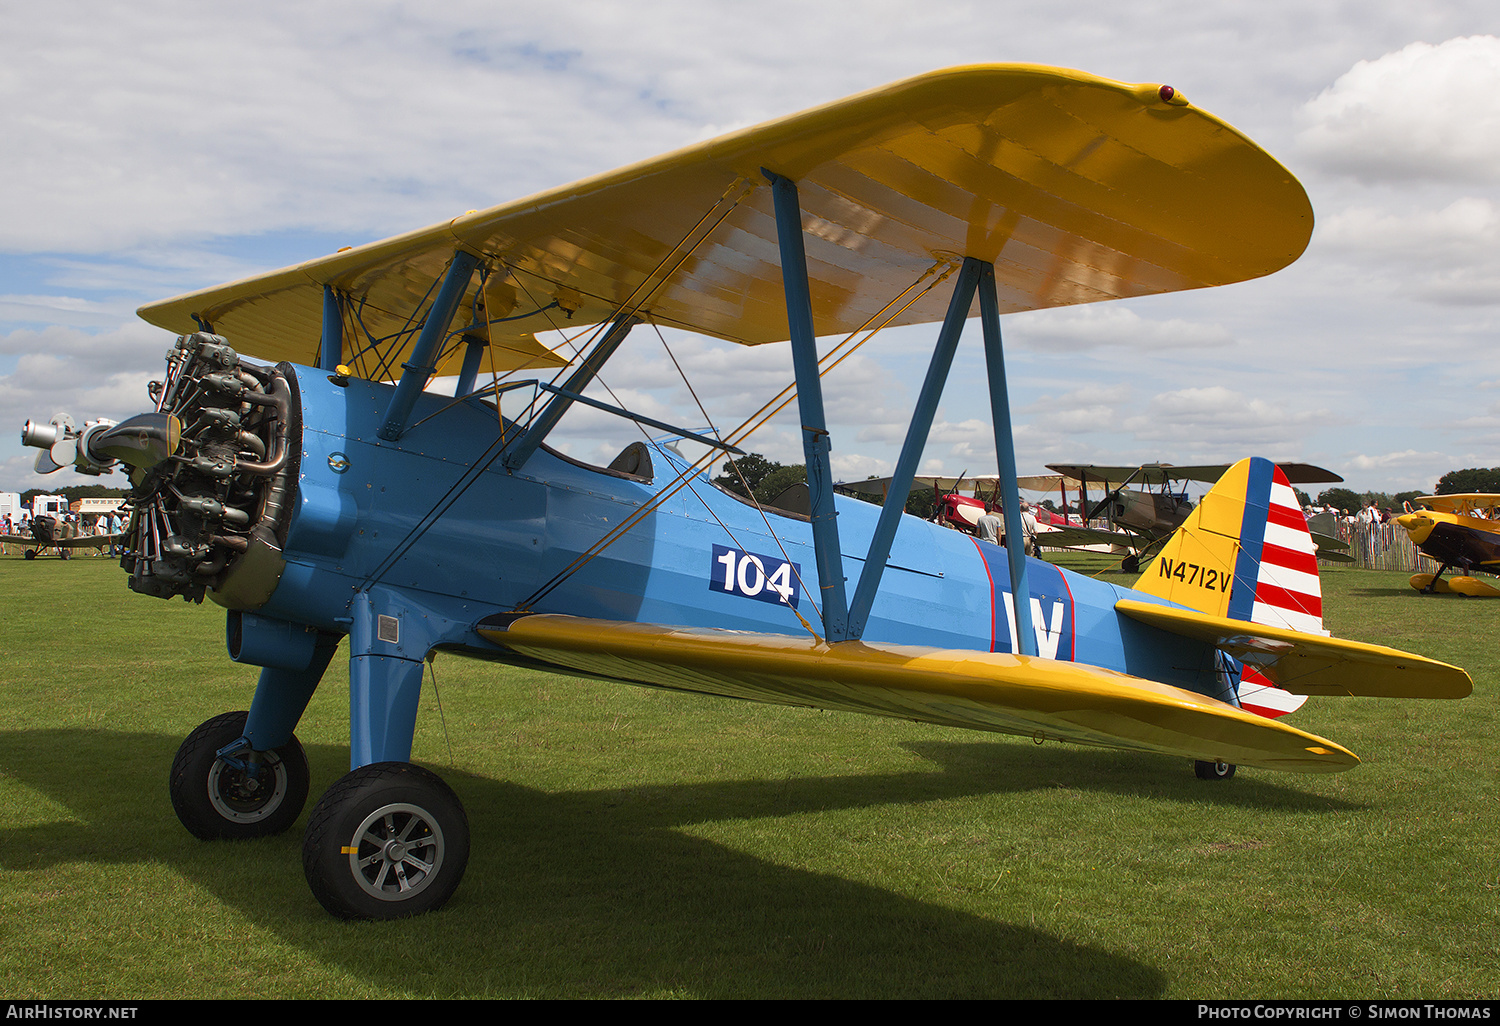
(1032, 697)
(1309, 664)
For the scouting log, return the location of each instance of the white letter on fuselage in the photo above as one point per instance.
(1047, 635)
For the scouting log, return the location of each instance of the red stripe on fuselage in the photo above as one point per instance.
(991, 579)
(1071, 615)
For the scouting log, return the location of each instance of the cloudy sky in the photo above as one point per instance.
(156, 147)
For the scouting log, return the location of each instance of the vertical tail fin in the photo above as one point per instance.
(1245, 554)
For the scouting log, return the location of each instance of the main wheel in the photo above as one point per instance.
(237, 798)
(388, 840)
(1213, 770)
(30, 553)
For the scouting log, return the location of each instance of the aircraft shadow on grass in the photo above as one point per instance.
(639, 904)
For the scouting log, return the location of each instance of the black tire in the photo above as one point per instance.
(216, 800)
(64, 553)
(388, 840)
(1213, 770)
(30, 553)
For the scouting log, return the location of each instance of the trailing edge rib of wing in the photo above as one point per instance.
(1076, 188)
(1027, 696)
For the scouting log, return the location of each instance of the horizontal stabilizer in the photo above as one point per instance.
(1311, 664)
(1027, 696)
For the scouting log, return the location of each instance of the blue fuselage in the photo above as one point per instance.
(438, 520)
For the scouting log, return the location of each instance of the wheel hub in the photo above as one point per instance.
(242, 796)
(396, 852)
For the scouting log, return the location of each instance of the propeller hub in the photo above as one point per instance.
(143, 441)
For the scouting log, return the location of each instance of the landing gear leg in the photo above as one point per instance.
(390, 839)
(1432, 584)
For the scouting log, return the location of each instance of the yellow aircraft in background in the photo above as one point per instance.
(1458, 531)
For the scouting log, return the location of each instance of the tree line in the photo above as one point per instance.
(1455, 482)
(763, 480)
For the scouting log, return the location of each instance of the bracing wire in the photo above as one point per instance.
(442, 718)
(737, 190)
(938, 272)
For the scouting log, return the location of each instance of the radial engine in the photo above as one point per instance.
(210, 470)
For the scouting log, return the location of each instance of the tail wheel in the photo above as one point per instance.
(236, 798)
(388, 840)
(1213, 770)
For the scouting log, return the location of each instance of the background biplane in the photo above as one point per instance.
(1143, 517)
(329, 498)
(49, 532)
(949, 505)
(954, 509)
(1458, 531)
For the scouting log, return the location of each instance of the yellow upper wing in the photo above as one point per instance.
(1078, 189)
(1033, 697)
(1462, 504)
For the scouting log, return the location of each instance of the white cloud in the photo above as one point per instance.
(1449, 255)
(1407, 459)
(70, 310)
(1220, 419)
(1424, 112)
(1081, 410)
(1080, 328)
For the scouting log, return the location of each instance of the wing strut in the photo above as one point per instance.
(1005, 451)
(911, 450)
(331, 350)
(815, 443)
(840, 621)
(423, 359)
(576, 383)
(468, 374)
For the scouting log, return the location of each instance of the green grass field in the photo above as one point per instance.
(635, 843)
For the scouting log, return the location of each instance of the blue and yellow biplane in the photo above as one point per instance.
(323, 496)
